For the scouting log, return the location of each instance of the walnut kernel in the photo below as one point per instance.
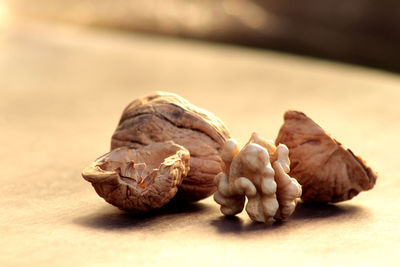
(271, 193)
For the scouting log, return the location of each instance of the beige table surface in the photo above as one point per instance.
(62, 90)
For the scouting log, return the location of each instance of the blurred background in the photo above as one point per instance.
(69, 67)
(365, 32)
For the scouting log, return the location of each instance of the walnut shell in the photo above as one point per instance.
(139, 179)
(327, 171)
(166, 116)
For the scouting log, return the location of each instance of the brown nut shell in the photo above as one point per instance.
(165, 116)
(327, 171)
(141, 179)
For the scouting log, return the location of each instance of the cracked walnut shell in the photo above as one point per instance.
(165, 116)
(141, 179)
(270, 191)
(327, 171)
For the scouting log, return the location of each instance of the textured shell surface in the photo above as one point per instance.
(166, 116)
(142, 179)
(327, 171)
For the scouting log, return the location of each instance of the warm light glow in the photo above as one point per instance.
(4, 14)
(249, 13)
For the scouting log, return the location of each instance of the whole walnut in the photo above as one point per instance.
(327, 171)
(166, 116)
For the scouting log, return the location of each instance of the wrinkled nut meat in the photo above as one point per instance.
(141, 179)
(166, 116)
(259, 172)
(327, 171)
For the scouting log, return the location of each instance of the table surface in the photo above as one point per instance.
(62, 90)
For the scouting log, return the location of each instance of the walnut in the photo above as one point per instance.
(141, 179)
(271, 192)
(327, 171)
(166, 116)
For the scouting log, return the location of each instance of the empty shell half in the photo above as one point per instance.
(327, 171)
(140, 179)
